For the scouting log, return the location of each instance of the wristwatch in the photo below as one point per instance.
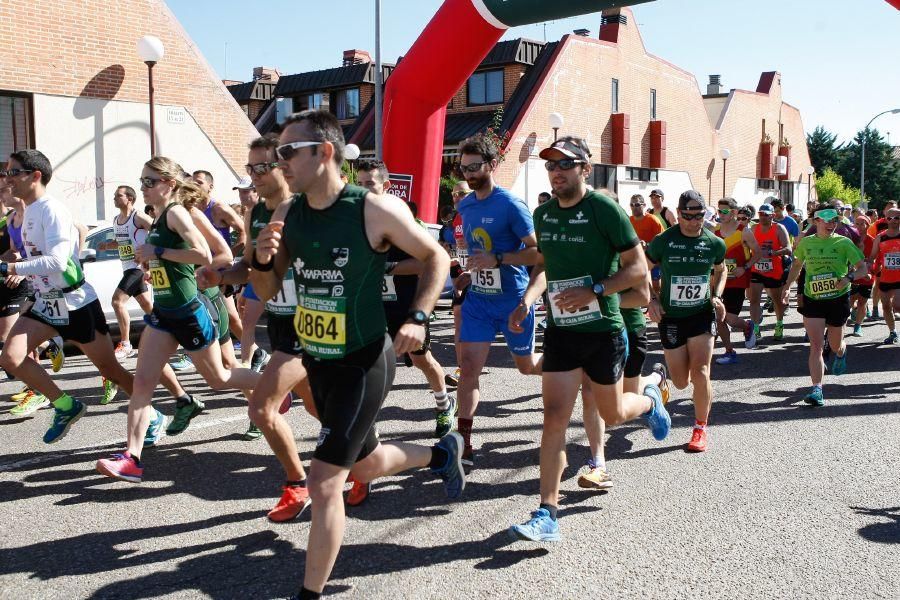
(4, 269)
(499, 257)
(158, 251)
(598, 289)
(417, 316)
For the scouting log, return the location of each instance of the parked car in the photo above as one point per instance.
(103, 270)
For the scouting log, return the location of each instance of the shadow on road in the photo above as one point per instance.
(882, 532)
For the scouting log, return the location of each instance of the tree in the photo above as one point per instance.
(822, 151)
(882, 172)
(831, 185)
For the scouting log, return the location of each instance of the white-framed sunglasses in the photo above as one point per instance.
(287, 151)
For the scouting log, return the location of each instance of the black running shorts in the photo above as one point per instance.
(282, 335)
(395, 321)
(835, 311)
(600, 354)
(133, 283)
(637, 353)
(674, 332)
(13, 300)
(733, 299)
(84, 323)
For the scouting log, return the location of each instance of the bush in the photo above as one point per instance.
(831, 185)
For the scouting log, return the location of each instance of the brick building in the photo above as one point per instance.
(73, 86)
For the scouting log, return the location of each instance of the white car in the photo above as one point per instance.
(103, 270)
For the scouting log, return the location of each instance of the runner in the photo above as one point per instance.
(739, 242)
(665, 216)
(768, 269)
(582, 235)
(861, 290)
(459, 255)
(825, 257)
(252, 307)
(693, 280)
(499, 234)
(647, 227)
(131, 227)
(180, 316)
(886, 256)
(335, 239)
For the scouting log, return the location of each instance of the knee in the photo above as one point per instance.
(217, 382)
(611, 415)
(323, 491)
(525, 368)
(679, 380)
(470, 369)
(11, 359)
(700, 373)
(262, 414)
(558, 417)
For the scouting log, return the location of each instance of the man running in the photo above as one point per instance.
(861, 290)
(251, 307)
(647, 227)
(768, 269)
(499, 235)
(335, 237)
(130, 227)
(665, 216)
(831, 262)
(886, 255)
(693, 281)
(582, 237)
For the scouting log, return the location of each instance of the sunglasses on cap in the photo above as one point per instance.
(563, 164)
(692, 216)
(287, 151)
(260, 168)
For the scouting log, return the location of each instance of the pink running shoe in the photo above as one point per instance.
(121, 466)
(286, 403)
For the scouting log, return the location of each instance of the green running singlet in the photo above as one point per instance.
(174, 283)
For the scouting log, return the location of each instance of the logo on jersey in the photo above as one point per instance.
(340, 256)
(483, 238)
(337, 291)
(298, 265)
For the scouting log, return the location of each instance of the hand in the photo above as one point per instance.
(267, 243)
(655, 311)
(738, 272)
(13, 281)
(519, 314)
(719, 307)
(462, 282)
(481, 260)
(574, 298)
(409, 338)
(145, 253)
(786, 295)
(207, 278)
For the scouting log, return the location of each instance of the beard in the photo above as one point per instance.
(477, 181)
(568, 191)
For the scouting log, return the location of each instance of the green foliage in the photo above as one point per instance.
(349, 171)
(501, 140)
(831, 185)
(822, 150)
(882, 172)
(445, 196)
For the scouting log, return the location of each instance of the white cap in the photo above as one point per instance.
(244, 184)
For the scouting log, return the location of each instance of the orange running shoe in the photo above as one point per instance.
(699, 441)
(359, 492)
(293, 502)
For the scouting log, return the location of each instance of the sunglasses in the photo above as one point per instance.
(149, 182)
(692, 216)
(260, 168)
(725, 211)
(472, 167)
(892, 218)
(563, 164)
(637, 205)
(287, 151)
(460, 194)
(743, 218)
(15, 172)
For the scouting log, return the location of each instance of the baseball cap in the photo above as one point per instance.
(691, 197)
(766, 209)
(657, 192)
(570, 147)
(244, 184)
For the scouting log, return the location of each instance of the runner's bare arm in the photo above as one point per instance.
(719, 279)
(784, 240)
(488, 260)
(239, 273)
(873, 256)
(142, 220)
(794, 273)
(221, 253)
(226, 215)
(859, 271)
(636, 297)
(179, 221)
(632, 272)
(750, 241)
(537, 283)
(270, 247)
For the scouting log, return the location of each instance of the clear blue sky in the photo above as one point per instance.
(837, 58)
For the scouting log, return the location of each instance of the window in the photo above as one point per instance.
(787, 192)
(639, 174)
(103, 242)
(765, 184)
(486, 88)
(314, 101)
(16, 121)
(615, 96)
(604, 177)
(346, 104)
(652, 105)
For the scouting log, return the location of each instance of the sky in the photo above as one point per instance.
(838, 59)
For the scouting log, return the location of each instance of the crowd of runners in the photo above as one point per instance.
(347, 279)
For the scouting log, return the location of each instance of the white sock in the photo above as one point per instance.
(654, 378)
(440, 399)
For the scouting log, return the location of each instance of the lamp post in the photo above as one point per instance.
(726, 154)
(862, 144)
(151, 51)
(809, 173)
(351, 153)
(379, 81)
(556, 122)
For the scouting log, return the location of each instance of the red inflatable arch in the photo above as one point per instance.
(450, 48)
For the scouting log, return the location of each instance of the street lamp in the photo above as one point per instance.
(809, 173)
(151, 51)
(726, 154)
(862, 164)
(556, 122)
(351, 153)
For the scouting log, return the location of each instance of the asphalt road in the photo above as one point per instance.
(789, 502)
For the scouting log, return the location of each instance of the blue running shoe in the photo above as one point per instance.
(62, 420)
(181, 363)
(658, 418)
(452, 472)
(156, 428)
(729, 358)
(539, 528)
(839, 364)
(815, 397)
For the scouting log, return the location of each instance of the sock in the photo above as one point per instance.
(299, 483)
(183, 400)
(817, 387)
(306, 594)
(599, 461)
(550, 509)
(64, 402)
(654, 378)
(439, 458)
(779, 322)
(440, 400)
(699, 424)
(464, 426)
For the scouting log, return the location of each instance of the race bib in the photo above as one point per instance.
(51, 307)
(126, 252)
(688, 291)
(823, 286)
(321, 325)
(285, 301)
(487, 281)
(730, 266)
(462, 255)
(765, 265)
(388, 289)
(159, 279)
(567, 318)
(892, 261)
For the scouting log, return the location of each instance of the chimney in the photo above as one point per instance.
(715, 85)
(582, 32)
(612, 21)
(266, 74)
(356, 57)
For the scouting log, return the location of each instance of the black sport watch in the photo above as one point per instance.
(598, 289)
(418, 317)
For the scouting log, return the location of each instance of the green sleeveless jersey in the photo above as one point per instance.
(284, 303)
(338, 276)
(173, 283)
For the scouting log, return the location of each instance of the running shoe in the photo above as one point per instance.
(253, 433)
(286, 403)
(750, 332)
(121, 466)
(55, 353)
(875, 314)
(124, 350)
(237, 346)
(294, 500)
(181, 362)
(663, 381)
(63, 420)
(468, 459)
(769, 306)
(260, 360)
(452, 472)
(594, 477)
(110, 389)
(891, 339)
(358, 492)
(444, 418)
(815, 397)
(539, 528)
(857, 330)
(839, 364)
(699, 441)
(155, 430)
(452, 380)
(658, 418)
(18, 396)
(29, 404)
(729, 358)
(778, 335)
(184, 412)
(543, 324)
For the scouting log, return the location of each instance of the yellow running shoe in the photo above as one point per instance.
(56, 355)
(664, 381)
(19, 396)
(594, 477)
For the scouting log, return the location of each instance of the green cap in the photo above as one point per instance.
(827, 214)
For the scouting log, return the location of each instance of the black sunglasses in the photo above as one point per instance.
(472, 167)
(149, 182)
(635, 205)
(260, 168)
(692, 216)
(563, 164)
(15, 172)
(287, 151)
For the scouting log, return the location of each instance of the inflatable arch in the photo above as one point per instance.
(448, 51)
